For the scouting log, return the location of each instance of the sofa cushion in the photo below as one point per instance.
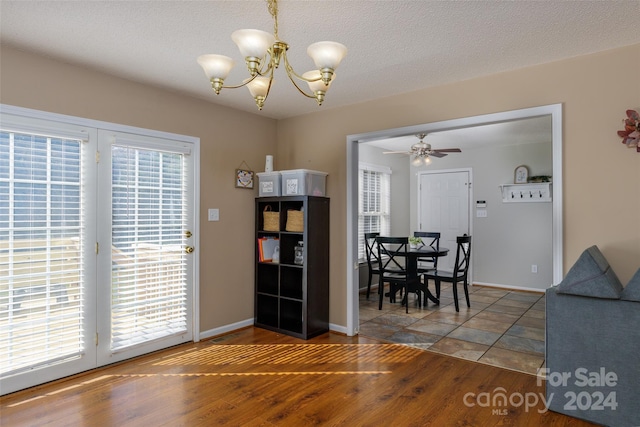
(631, 292)
(591, 276)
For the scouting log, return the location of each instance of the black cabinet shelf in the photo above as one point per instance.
(294, 299)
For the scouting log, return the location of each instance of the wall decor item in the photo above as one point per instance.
(631, 133)
(244, 176)
(521, 175)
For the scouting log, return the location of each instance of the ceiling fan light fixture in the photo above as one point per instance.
(421, 152)
(419, 160)
(263, 52)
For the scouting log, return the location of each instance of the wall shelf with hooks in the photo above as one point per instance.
(526, 193)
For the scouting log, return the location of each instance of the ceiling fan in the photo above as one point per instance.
(422, 152)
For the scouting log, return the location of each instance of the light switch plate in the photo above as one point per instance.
(214, 214)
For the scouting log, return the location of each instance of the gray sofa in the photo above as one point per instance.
(593, 344)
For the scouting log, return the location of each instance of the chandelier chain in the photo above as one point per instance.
(273, 10)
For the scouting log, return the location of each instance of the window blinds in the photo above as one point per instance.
(41, 240)
(149, 291)
(374, 204)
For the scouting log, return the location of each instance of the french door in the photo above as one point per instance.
(145, 263)
(96, 235)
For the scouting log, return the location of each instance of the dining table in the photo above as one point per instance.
(423, 251)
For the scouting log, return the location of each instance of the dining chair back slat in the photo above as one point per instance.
(371, 252)
(460, 271)
(429, 238)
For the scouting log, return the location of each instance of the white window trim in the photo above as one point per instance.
(364, 166)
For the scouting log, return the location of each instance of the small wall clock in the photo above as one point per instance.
(521, 175)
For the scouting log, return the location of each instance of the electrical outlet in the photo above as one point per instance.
(534, 268)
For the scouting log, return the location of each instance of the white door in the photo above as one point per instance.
(93, 267)
(145, 261)
(444, 207)
(47, 262)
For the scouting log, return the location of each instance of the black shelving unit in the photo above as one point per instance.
(294, 299)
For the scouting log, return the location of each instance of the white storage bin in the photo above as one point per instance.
(268, 184)
(303, 182)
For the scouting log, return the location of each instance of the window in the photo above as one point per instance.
(374, 202)
(41, 235)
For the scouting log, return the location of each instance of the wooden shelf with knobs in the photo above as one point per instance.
(527, 193)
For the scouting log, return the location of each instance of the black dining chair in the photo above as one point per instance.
(429, 238)
(371, 251)
(392, 255)
(459, 273)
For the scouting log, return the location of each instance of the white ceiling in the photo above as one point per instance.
(394, 46)
(524, 131)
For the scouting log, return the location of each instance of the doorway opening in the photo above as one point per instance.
(554, 112)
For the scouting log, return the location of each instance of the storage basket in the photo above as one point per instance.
(295, 221)
(271, 219)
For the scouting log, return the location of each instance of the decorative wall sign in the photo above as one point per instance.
(244, 178)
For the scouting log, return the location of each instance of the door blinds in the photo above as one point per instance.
(42, 220)
(149, 266)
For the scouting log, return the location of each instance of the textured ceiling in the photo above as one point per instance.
(394, 46)
(515, 132)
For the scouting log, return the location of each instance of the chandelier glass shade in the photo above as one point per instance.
(263, 53)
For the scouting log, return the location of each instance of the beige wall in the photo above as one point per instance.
(227, 137)
(601, 176)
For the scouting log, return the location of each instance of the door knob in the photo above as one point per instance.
(188, 249)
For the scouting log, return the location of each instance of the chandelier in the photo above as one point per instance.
(263, 53)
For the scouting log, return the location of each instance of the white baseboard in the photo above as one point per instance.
(338, 328)
(509, 287)
(227, 328)
(249, 322)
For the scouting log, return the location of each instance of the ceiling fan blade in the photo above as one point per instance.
(449, 150)
(396, 152)
(437, 154)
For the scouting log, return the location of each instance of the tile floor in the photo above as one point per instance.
(502, 328)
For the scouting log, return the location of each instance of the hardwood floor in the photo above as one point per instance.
(255, 377)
